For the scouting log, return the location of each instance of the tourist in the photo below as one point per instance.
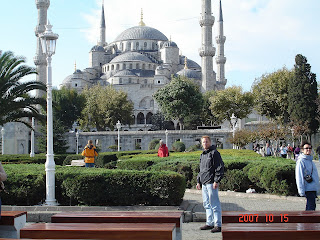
(211, 173)
(268, 150)
(89, 152)
(163, 150)
(307, 177)
(296, 153)
(283, 151)
(3, 177)
(289, 151)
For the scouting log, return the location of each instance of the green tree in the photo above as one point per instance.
(207, 117)
(230, 101)
(271, 95)
(16, 102)
(179, 99)
(159, 122)
(302, 95)
(67, 106)
(104, 107)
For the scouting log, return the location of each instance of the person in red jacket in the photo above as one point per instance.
(163, 150)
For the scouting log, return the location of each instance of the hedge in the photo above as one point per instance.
(25, 158)
(100, 187)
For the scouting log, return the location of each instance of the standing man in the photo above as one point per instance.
(211, 173)
(89, 152)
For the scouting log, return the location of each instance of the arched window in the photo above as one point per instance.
(130, 80)
(124, 66)
(120, 80)
(117, 66)
(137, 66)
(128, 46)
(137, 45)
(122, 47)
(145, 45)
(153, 46)
(149, 66)
(130, 66)
(112, 67)
(143, 104)
(143, 66)
(108, 68)
(149, 118)
(152, 103)
(140, 118)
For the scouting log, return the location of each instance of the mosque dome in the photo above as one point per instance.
(77, 75)
(191, 64)
(141, 32)
(131, 56)
(97, 48)
(125, 73)
(169, 44)
(189, 73)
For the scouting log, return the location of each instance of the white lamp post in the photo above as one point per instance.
(48, 43)
(2, 135)
(77, 136)
(118, 127)
(32, 139)
(166, 132)
(233, 122)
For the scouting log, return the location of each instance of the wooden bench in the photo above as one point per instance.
(274, 231)
(175, 217)
(271, 217)
(128, 231)
(11, 222)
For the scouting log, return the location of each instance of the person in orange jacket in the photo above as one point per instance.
(89, 152)
(163, 150)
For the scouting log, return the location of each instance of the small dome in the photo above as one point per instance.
(189, 73)
(97, 48)
(125, 73)
(141, 33)
(190, 63)
(131, 56)
(169, 44)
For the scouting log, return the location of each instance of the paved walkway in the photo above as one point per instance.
(192, 206)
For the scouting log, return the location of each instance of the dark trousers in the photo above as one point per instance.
(311, 200)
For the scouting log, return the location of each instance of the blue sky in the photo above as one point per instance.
(262, 35)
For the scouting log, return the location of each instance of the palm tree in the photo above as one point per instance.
(16, 103)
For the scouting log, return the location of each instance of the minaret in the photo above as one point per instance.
(220, 58)
(40, 59)
(102, 40)
(207, 51)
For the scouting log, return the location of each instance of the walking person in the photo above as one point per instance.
(283, 151)
(307, 177)
(89, 152)
(163, 150)
(211, 173)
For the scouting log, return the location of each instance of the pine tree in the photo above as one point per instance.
(302, 95)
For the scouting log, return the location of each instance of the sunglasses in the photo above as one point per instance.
(308, 148)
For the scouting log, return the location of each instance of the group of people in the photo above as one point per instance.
(284, 151)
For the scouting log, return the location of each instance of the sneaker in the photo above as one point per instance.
(206, 227)
(216, 229)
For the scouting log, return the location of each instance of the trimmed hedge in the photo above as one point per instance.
(100, 187)
(178, 146)
(25, 158)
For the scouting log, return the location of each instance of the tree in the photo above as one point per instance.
(16, 102)
(158, 122)
(104, 107)
(67, 106)
(179, 99)
(230, 101)
(271, 95)
(207, 117)
(302, 95)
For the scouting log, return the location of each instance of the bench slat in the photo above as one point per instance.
(130, 231)
(253, 231)
(7, 217)
(272, 217)
(118, 217)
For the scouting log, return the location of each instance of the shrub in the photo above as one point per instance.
(100, 187)
(235, 180)
(114, 148)
(194, 148)
(178, 146)
(153, 144)
(25, 158)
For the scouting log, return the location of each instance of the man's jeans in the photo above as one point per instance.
(90, 165)
(211, 203)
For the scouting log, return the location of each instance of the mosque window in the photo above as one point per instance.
(112, 67)
(137, 45)
(143, 66)
(124, 66)
(145, 45)
(152, 103)
(154, 67)
(159, 81)
(149, 66)
(128, 46)
(153, 46)
(117, 67)
(120, 80)
(76, 85)
(145, 81)
(122, 46)
(130, 66)
(130, 80)
(108, 68)
(137, 66)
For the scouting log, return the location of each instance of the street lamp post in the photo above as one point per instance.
(233, 122)
(2, 138)
(118, 127)
(77, 136)
(32, 138)
(48, 43)
(166, 132)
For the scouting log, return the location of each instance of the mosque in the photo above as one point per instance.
(142, 59)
